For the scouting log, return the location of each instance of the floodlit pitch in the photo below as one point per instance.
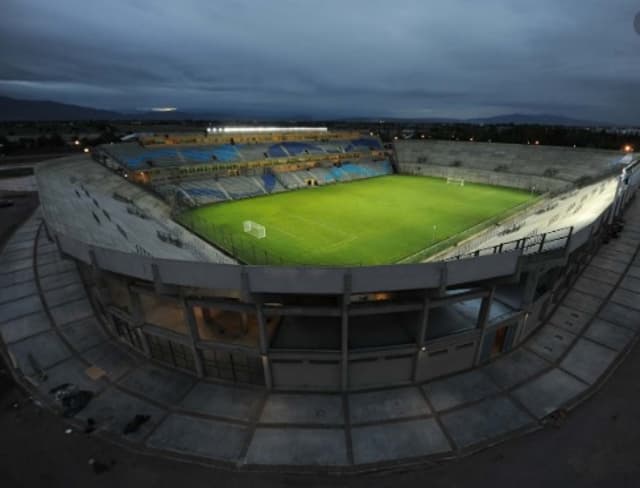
(381, 220)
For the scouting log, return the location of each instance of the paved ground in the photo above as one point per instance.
(597, 445)
(47, 324)
(48, 327)
(25, 183)
(11, 217)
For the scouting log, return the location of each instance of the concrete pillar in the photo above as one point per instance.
(264, 345)
(137, 317)
(530, 286)
(422, 332)
(346, 297)
(483, 319)
(193, 336)
(247, 296)
(245, 322)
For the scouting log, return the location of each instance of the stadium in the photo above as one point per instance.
(324, 266)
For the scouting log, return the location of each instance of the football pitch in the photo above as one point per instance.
(380, 220)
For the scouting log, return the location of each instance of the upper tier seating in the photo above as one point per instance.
(289, 180)
(135, 156)
(322, 175)
(561, 163)
(360, 170)
(269, 180)
(295, 148)
(276, 151)
(363, 144)
(211, 190)
(206, 191)
(241, 187)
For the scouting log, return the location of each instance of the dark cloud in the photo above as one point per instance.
(450, 58)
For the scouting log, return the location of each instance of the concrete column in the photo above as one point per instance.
(346, 297)
(483, 319)
(95, 269)
(193, 336)
(264, 344)
(137, 313)
(530, 287)
(485, 308)
(422, 332)
(137, 316)
(247, 296)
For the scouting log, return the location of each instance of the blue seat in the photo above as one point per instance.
(363, 144)
(269, 181)
(276, 151)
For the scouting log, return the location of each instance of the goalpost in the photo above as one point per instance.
(455, 181)
(256, 230)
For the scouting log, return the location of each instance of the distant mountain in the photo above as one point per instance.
(12, 109)
(517, 119)
(537, 119)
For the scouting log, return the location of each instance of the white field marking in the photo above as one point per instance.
(325, 226)
(282, 231)
(342, 242)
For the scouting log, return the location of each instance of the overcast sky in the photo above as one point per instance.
(393, 58)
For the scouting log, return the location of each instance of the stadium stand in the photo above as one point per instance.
(241, 187)
(252, 152)
(295, 148)
(134, 156)
(270, 182)
(322, 175)
(277, 151)
(567, 164)
(212, 174)
(210, 190)
(339, 174)
(204, 191)
(364, 143)
(289, 180)
(331, 147)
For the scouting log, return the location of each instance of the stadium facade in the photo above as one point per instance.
(176, 298)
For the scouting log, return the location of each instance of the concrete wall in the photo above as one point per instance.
(345, 369)
(437, 285)
(293, 280)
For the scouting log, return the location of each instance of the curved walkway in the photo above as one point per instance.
(52, 337)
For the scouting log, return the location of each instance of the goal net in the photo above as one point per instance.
(455, 181)
(256, 230)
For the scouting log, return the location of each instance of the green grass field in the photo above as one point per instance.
(375, 221)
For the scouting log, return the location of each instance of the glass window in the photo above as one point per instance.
(230, 326)
(453, 319)
(380, 330)
(164, 312)
(302, 332)
(118, 293)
